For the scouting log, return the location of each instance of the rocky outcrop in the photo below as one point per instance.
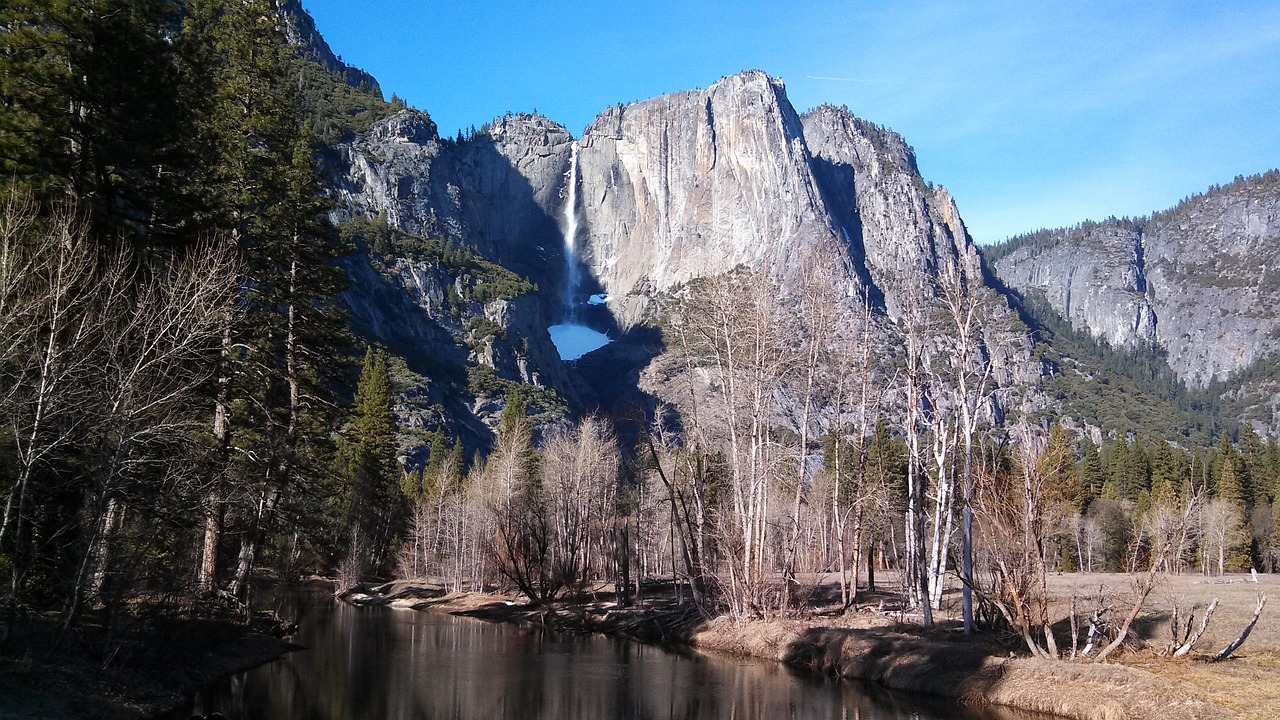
(497, 191)
(896, 224)
(300, 30)
(1201, 280)
(697, 183)
(391, 171)
(1106, 296)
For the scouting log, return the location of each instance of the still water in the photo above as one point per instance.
(384, 664)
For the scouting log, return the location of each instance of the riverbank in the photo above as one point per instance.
(136, 673)
(865, 645)
(973, 670)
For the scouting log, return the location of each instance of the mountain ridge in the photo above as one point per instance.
(1195, 280)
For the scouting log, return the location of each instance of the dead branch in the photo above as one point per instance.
(1244, 634)
(1188, 643)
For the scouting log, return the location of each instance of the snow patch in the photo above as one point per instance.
(573, 341)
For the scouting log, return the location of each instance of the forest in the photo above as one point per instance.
(175, 367)
(184, 408)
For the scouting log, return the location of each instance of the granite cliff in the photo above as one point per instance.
(682, 186)
(1199, 281)
(679, 187)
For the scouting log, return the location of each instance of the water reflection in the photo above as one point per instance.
(366, 663)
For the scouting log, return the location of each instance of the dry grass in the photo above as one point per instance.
(1237, 598)
(1247, 683)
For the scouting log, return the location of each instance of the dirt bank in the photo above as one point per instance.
(972, 670)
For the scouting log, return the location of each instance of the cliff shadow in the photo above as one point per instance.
(843, 208)
(502, 214)
(613, 373)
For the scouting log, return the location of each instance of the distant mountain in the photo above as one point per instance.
(696, 184)
(1199, 282)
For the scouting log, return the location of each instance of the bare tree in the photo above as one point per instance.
(159, 328)
(1012, 508)
(1161, 547)
(1221, 531)
(580, 482)
(818, 308)
(49, 343)
(915, 379)
(730, 325)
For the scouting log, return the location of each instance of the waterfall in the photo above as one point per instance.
(573, 275)
(573, 339)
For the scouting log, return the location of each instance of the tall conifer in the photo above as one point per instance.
(370, 449)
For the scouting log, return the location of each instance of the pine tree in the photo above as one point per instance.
(1168, 469)
(1230, 468)
(262, 189)
(95, 107)
(1090, 470)
(1254, 484)
(515, 442)
(1116, 456)
(371, 469)
(1064, 485)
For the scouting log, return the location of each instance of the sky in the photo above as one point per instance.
(1033, 114)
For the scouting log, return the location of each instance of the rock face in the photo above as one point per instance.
(894, 223)
(1105, 295)
(683, 186)
(680, 187)
(1201, 280)
(498, 191)
(697, 183)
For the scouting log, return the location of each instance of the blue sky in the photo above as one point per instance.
(1033, 114)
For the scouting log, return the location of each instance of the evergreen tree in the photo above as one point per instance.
(371, 469)
(1168, 468)
(95, 106)
(1254, 484)
(1064, 485)
(515, 442)
(1230, 468)
(1116, 459)
(1137, 471)
(1090, 470)
(262, 189)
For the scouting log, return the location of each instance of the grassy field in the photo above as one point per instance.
(1248, 683)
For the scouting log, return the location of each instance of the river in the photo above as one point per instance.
(385, 664)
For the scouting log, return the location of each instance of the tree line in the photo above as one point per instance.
(814, 442)
(174, 362)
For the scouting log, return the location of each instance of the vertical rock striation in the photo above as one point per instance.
(697, 183)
